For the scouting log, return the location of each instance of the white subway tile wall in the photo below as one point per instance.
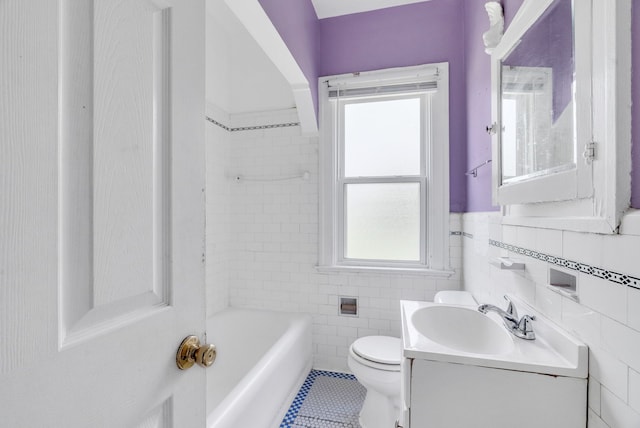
(594, 395)
(606, 316)
(616, 413)
(261, 252)
(633, 304)
(271, 232)
(634, 390)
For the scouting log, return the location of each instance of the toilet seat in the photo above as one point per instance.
(377, 366)
(378, 352)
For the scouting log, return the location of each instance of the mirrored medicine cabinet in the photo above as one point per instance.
(561, 83)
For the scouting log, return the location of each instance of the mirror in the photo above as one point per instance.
(561, 105)
(537, 98)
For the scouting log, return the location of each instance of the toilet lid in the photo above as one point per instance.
(379, 349)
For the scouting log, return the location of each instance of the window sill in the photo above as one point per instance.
(435, 273)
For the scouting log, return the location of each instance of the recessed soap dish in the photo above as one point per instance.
(507, 263)
(564, 283)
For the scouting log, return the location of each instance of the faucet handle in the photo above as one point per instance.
(511, 309)
(525, 328)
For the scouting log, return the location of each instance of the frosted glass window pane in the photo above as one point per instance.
(382, 138)
(383, 221)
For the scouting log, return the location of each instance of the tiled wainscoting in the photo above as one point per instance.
(606, 315)
(273, 242)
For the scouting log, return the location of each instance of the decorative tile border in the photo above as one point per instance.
(215, 122)
(252, 128)
(598, 272)
(277, 125)
(292, 413)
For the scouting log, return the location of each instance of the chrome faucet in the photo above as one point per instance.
(521, 328)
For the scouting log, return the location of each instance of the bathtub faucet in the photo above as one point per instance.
(518, 327)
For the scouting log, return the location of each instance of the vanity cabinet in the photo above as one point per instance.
(447, 395)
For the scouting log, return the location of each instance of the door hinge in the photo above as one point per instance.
(589, 153)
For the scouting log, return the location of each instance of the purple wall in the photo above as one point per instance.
(478, 102)
(415, 34)
(510, 9)
(298, 25)
(478, 107)
(434, 31)
(635, 109)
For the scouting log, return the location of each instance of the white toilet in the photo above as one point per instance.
(375, 362)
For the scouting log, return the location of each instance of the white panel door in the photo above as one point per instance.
(101, 212)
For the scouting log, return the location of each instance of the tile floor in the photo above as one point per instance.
(326, 400)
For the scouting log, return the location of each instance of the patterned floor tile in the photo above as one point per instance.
(326, 400)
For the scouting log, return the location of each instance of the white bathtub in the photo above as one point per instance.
(263, 358)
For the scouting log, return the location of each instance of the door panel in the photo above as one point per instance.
(160, 417)
(102, 225)
(114, 164)
(126, 177)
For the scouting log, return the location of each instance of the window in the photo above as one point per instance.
(385, 170)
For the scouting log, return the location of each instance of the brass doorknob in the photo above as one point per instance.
(190, 352)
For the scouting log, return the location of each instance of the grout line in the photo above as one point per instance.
(618, 278)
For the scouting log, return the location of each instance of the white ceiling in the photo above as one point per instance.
(329, 8)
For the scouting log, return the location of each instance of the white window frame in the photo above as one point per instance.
(434, 178)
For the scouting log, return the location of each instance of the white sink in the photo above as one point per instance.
(462, 335)
(462, 329)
